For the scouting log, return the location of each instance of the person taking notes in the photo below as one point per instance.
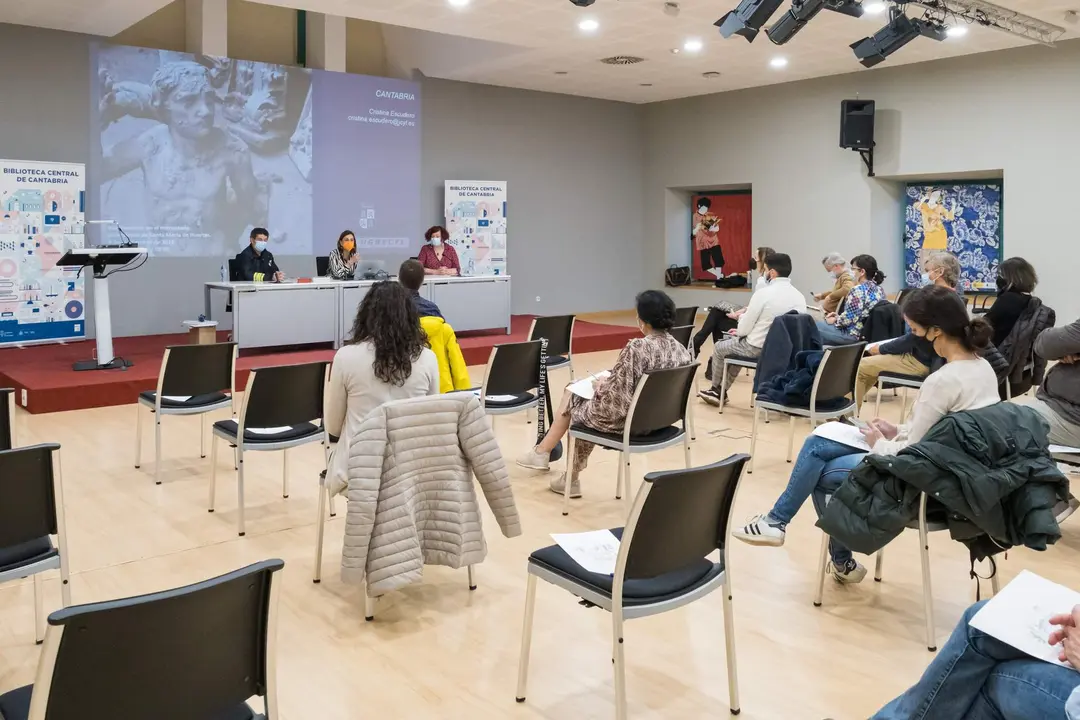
(256, 262)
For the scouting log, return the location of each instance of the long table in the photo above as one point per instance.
(322, 311)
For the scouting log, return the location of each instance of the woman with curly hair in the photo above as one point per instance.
(386, 359)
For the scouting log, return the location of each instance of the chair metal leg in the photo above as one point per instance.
(202, 435)
(877, 400)
(628, 493)
(823, 557)
(723, 384)
(240, 528)
(472, 579)
(753, 442)
(333, 511)
(213, 472)
(571, 444)
(157, 448)
(320, 531)
(39, 610)
(729, 638)
(138, 435)
(690, 424)
(369, 606)
(285, 473)
(526, 638)
(65, 581)
(994, 585)
(236, 458)
(928, 596)
(878, 564)
(686, 450)
(619, 657)
(791, 438)
(903, 404)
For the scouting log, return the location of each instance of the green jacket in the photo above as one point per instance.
(990, 469)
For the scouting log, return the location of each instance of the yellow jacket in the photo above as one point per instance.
(453, 374)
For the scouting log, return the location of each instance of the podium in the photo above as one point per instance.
(100, 259)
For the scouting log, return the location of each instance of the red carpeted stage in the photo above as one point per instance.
(44, 372)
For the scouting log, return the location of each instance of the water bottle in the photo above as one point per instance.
(224, 273)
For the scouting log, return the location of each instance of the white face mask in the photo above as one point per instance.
(925, 279)
(702, 211)
(436, 240)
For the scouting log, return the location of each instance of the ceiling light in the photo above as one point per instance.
(676, 51)
(459, 3)
(693, 45)
(561, 72)
(874, 8)
(646, 84)
(588, 25)
(778, 62)
(747, 18)
(957, 31)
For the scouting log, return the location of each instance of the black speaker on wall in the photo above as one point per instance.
(857, 124)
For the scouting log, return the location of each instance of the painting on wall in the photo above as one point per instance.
(720, 235)
(963, 218)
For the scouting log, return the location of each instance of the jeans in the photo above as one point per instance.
(831, 336)
(975, 677)
(832, 477)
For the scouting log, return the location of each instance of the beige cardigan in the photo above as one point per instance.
(411, 497)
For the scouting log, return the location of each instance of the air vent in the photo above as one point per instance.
(622, 60)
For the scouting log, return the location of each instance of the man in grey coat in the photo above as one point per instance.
(1058, 399)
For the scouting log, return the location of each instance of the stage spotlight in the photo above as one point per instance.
(850, 8)
(747, 18)
(932, 29)
(898, 33)
(802, 11)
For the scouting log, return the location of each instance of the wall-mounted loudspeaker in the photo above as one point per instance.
(857, 124)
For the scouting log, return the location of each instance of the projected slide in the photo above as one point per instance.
(191, 152)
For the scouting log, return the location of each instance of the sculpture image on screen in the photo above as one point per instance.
(962, 218)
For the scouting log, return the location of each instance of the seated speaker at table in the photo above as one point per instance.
(344, 257)
(257, 262)
(438, 257)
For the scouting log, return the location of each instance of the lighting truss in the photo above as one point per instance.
(987, 14)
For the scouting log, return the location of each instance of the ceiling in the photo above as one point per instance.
(525, 43)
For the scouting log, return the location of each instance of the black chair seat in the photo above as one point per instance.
(748, 360)
(823, 406)
(295, 432)
(519, 400)
(26, 553)
(901, 376)
(195, 401)
(556, 361)
(654, 438)
(15, 705)
(635, 592)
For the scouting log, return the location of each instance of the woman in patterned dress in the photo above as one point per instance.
(611, 399)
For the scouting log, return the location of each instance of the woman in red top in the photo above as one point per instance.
(437, 257)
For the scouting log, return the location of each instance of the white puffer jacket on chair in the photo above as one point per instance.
(411, 497)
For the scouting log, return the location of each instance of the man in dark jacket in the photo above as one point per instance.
(989, 468)
(256, 262)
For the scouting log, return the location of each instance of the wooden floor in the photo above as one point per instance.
(438, 650)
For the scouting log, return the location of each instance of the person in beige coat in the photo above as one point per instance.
(835, 265)
(411, 497)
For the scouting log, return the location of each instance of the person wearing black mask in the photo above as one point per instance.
(1016, 281)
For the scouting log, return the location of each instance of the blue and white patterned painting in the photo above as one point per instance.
(963, 218)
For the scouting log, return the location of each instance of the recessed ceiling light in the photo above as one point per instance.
(646, 84)
(459, 3)
(588, 25)
(561, 72)
(778, 62)
(676, 51)
(693, 45)
(874, 8)
(957, 31)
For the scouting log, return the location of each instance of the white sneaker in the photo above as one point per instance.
(850, 574)
(535, 461)
(759, 531)
(558, 486)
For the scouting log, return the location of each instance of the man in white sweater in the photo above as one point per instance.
(779, 296)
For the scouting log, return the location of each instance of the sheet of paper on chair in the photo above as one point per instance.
(595, 550)
(267, 431)
(842, 433)
(584, 387)
(496, 398)
(1019, 615)
(1064, 450)
(176, 398)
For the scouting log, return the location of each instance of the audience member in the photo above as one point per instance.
(759, 265)
(611, 399)
(257, 262)
(976, 676)
(411, 275)
(1016, 281)
(777, 297)
(1058, 398)
(966, 382)
(439, 257)
(724, 316)
(385, 359)
(843, 328)
(835, 265)
(344, 257)
(908, 354)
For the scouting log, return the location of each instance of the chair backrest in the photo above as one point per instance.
(284, 395)
(234, 269)
(837, 372)
(885, 321)
(660, 399)
(7, 418)
(513, 368)
(322, 265)
(682, 334)
(193, 652)
(902, 294)
(685, 315)
(557, 329)
(681, 516)
(27, 494)
(197, 369)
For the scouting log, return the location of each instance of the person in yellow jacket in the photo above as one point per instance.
(453, 374)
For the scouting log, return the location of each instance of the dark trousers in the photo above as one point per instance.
(716, 324)
(712, 257)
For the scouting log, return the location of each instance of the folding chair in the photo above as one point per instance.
(893, 380)
(7, 418)
(677, 520)
(685, 316)
(558, 330)
(512, 378)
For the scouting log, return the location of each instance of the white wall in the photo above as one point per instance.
(1015, 111)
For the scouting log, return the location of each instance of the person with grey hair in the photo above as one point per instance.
(837, 266)
(942, 268)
